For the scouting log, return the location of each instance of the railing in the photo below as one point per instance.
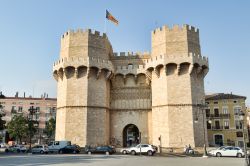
(217, 127)
(220, 116)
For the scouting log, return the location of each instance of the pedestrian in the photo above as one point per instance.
(185, 149)
(130, 142)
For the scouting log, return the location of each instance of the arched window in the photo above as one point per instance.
(130, 66)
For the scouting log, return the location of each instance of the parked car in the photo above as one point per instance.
(3, 145)
(141, 148)
(55, 146)
(70, 149)
(100, 149)
(40, 149)
(227, 151)
(16, 148)
(125, 150)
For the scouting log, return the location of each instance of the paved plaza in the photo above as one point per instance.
(114, 160)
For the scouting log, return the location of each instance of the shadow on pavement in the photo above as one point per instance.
(39, 160)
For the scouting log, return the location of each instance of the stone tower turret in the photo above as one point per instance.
(177, 40)
(83, 89)
(176, 71)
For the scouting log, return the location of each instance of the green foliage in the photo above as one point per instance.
(50, 128)
(17, 127)
(2, 123)
(31, 129)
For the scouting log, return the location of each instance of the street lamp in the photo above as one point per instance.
(241, 117)
(202, 106)
(31, 124)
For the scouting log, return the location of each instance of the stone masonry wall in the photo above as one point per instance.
(121, 118)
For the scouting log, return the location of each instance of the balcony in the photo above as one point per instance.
(13, 111)
(218, 116)
(217, 127)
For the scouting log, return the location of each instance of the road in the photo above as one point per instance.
(114, 160)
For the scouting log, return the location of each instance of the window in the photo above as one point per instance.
(209, 125)
(13, 109)
(37, 116)
(38, 110)
(239, 134)
(216, 112)
(226, 124)
(224, 110)
(31, 103)
(20, 109)
(237, 110)
(229, 148)
(217, 124)
(238, 124)
(130, 66)
(207, 112)
(235, 101)
(216, 102)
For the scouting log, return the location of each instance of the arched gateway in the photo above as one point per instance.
(130, 135)
(102, 94)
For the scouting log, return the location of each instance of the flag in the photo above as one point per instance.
(111, 18)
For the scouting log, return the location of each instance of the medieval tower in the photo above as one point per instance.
(112, 98)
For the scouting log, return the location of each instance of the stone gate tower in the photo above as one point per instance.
(177, 72)
(83, 88)
(109, 98)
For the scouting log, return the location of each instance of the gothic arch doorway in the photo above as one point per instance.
(130, 135)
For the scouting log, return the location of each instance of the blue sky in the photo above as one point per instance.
(30, 33)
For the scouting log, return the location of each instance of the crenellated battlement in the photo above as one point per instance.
(130, 55)
(79, 61)
(191, 58)
(84, 31)
(153, 62)
(175, 28)
(175, 40)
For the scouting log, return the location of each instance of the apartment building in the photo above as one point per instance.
(44, 108)
(224, 126)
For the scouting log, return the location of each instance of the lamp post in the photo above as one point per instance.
(32, 111)
(241, 116)
(203, 112)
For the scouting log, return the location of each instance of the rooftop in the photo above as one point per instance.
(220, 96)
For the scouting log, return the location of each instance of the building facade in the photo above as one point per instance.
(224, 126)
(45, 108)
(122, 98)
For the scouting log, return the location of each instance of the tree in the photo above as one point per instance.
(50, 128)
(17, 127)
(2, 122)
